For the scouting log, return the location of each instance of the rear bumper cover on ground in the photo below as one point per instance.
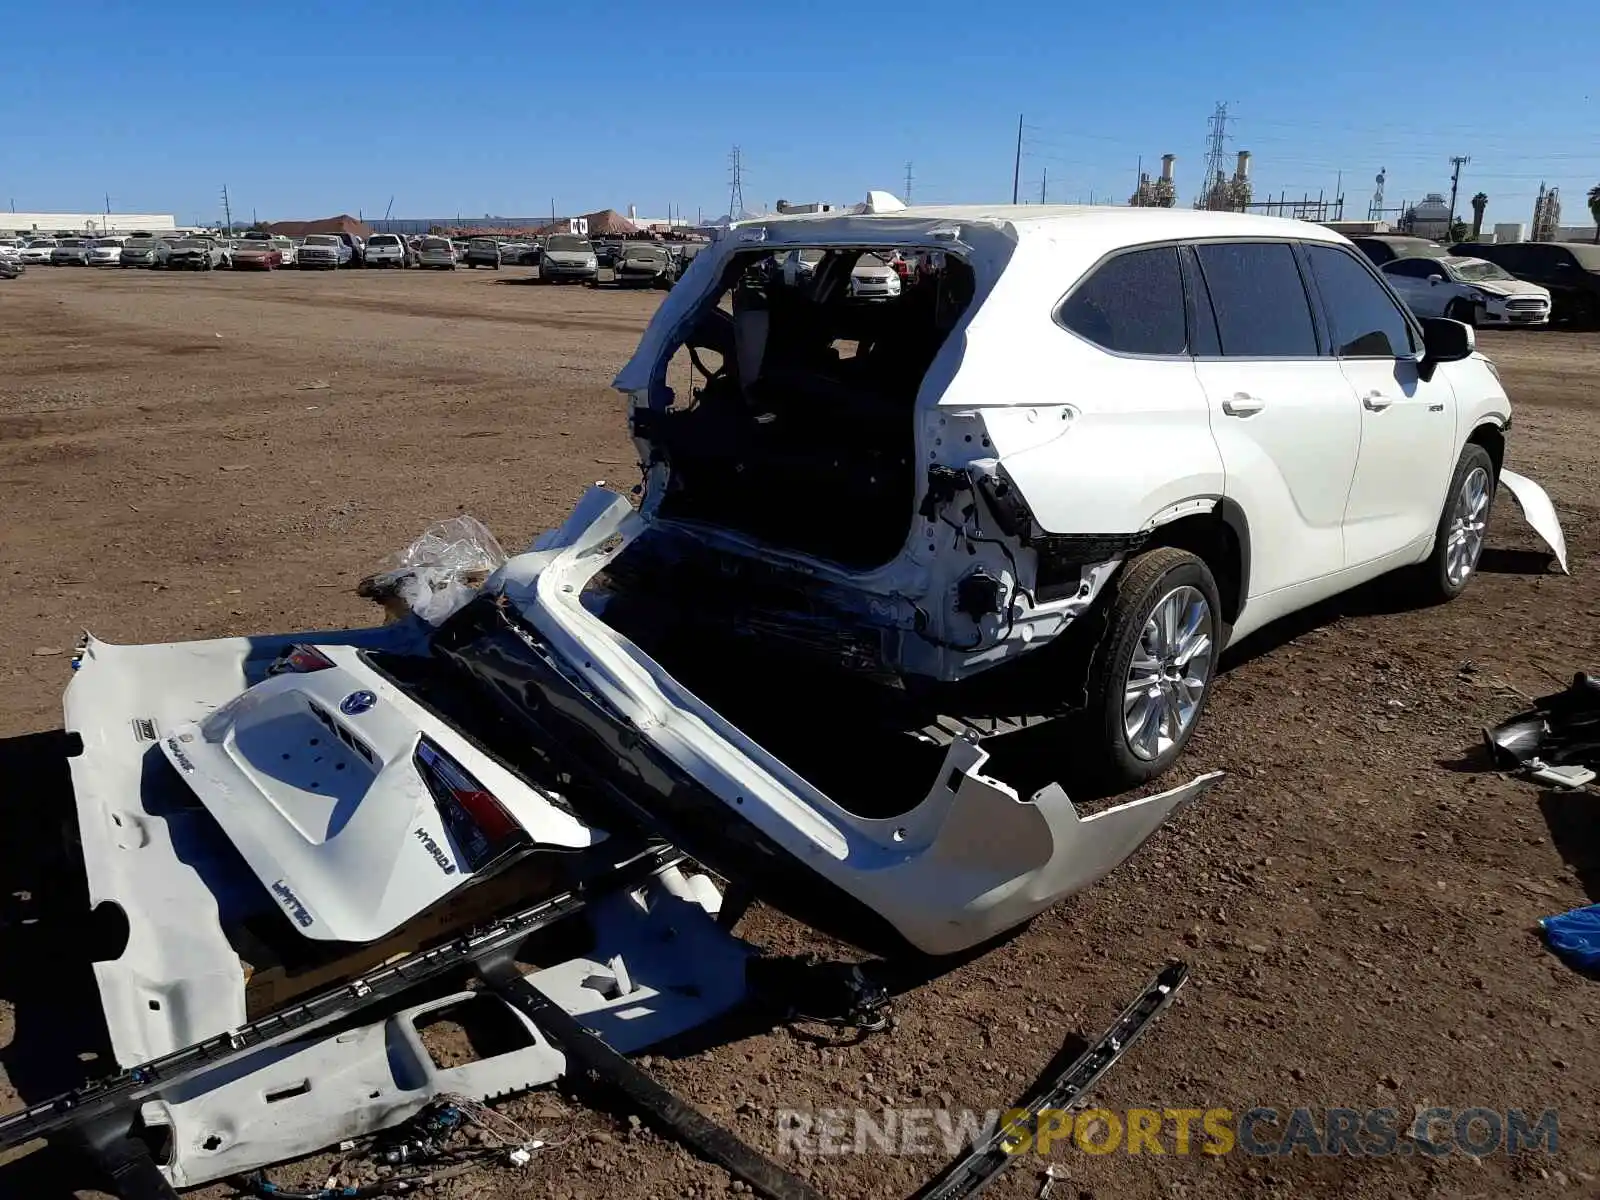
(970, 861)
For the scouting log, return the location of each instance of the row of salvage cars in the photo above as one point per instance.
(172, 252)
(1031, 500)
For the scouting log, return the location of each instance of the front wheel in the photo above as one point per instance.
(1153, 669)
(1458, 540)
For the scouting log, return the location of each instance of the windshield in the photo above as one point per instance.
(1475, 270)
(383, 239)
(140, 244)
(102, 242)
(322, 239)
(484, 243)
(41, 243)
(192, 243)
(644, 252)
(435, 244)
(570, 245)
(74, 242)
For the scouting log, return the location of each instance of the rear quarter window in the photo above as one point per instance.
(1131, 304)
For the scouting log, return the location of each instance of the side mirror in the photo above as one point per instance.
(1443, 341)
(1436, 280)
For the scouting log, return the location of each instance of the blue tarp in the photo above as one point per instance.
(1575, 937)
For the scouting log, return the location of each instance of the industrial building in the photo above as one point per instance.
(21, 223)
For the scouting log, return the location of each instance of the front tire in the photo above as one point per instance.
(1153, 669)
(1463, 524)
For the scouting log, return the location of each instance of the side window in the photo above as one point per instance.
(1364, 321)
(1413, 268)
(1132, 303)
(1259, 299)
(1513, 258)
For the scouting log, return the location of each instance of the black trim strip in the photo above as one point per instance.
(589, 1058)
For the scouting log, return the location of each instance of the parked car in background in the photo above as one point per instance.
(11, 258)
(459, 245)
(256, 255)
(358, 249)
(36, 251)
(143, 252)
(644, 264)
(436, 252)
(1386, 247)
(1467, 289)
(388, 250)
(483, 252)
(1570, 270)
(567, 257)
(519, 254)
(197, 254)
(798, 265)
(873, 279)
(607, 253)
(106, 251)
(70, 252)
(324, 252)
(288, 248)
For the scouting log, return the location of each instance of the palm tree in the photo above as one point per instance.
(1594, 209)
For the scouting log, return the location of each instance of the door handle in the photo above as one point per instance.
(1375, 402)
(1243, 404)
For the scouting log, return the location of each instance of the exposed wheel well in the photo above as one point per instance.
(1492, 439)
(1220, 539)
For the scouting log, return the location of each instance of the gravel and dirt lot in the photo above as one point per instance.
(193, 456)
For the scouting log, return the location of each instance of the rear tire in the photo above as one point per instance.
(1152, 671)
(1463, 524)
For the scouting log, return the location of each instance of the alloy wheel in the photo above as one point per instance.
(1169, 672)
(1469, 518)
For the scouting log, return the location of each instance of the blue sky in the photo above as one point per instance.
(492, 108)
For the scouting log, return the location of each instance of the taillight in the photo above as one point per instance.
(300, 660)
(479, 825)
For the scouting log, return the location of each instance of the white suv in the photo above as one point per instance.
(1162, 429)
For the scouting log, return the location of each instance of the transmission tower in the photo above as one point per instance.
(736, 191)
(908, 183)
(227, 212)
(1215, 178)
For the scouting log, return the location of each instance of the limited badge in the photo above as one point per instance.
(357, 703)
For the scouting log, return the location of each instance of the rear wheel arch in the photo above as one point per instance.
(1220, 539)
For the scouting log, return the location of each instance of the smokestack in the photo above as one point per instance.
(1242, 171)
(633, 212)
(1166, 166)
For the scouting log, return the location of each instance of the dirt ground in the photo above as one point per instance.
(193, 456)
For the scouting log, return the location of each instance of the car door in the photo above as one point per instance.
(1422, 283)
(1282, 412)
(1408, 424)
